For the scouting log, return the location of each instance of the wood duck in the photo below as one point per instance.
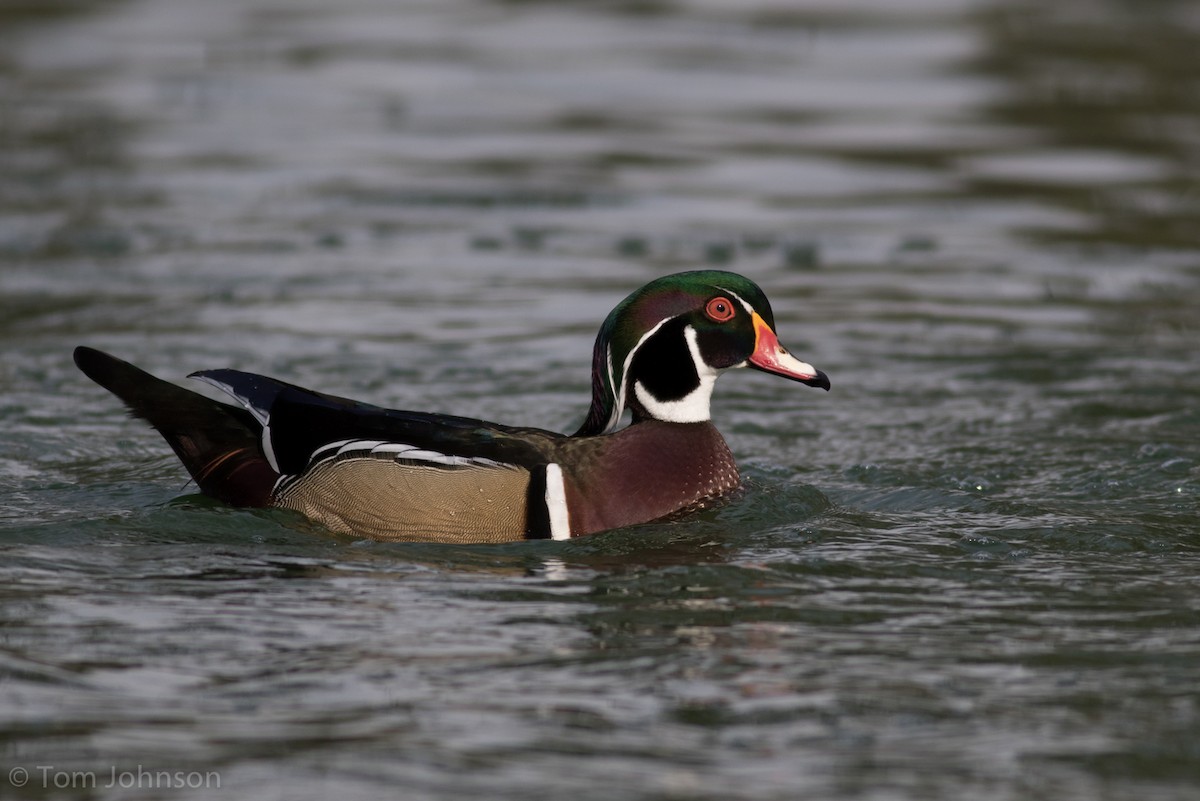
(400, 475)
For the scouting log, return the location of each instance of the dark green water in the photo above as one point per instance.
(970, 571)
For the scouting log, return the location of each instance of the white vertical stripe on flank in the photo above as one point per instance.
(556, 503)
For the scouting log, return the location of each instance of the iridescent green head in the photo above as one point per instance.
(661, 349)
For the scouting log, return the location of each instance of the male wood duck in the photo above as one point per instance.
(399, 475)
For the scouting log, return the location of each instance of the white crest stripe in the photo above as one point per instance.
(749, 309)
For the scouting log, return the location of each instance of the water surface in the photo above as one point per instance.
(970, 571)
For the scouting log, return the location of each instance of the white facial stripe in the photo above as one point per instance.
(556, 503)
(695, 407)
(749, 309)
(701, 402)
(617, 396)
(619, 405)
(703, 368)
(785, 359)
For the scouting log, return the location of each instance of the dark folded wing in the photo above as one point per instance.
(299, 423)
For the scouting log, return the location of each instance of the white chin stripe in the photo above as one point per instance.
(691, 408)
(556, 504)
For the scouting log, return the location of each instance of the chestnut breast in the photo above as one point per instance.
(644, 472)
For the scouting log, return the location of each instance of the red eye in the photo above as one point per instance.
(719, 310)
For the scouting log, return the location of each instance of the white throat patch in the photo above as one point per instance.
(691, 408)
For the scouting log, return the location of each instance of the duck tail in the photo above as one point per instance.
(217, 443)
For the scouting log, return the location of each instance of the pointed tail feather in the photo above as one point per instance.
(217, 443)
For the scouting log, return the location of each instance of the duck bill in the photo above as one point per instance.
(771, 357)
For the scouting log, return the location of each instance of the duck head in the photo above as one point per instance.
(661, 349)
